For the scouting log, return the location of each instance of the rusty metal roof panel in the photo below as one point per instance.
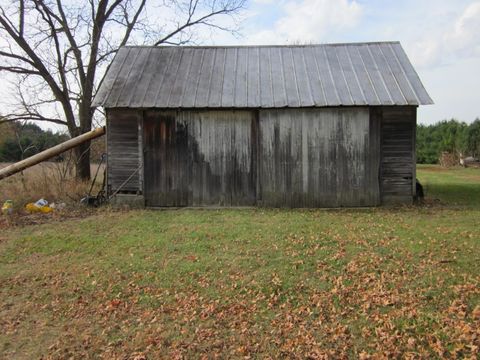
(356, 74)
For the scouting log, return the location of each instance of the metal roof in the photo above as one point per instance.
(261, 77)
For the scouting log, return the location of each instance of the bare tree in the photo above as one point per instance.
(58, 50)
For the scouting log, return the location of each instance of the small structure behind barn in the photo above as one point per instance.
(278, 126)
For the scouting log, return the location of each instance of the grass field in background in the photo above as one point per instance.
(455, 186)
(258, 283)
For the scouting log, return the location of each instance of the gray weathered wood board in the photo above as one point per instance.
(123, 150)
(317, 158)
(199, 158)
(327, 157)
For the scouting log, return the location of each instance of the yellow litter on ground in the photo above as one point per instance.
(7, 207)
(35, 208)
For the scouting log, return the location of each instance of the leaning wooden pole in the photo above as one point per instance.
(49, 153)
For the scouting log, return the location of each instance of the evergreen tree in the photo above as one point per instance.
(451, 136)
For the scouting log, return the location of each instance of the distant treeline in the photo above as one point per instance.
(19, 140)
(452, 136)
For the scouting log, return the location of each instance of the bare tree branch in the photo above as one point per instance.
(21, 18)
(17, 57)
(19, 70)
(190, 22)
(30, 117)
(131, 24)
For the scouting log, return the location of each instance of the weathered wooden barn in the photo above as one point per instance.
(281, 126)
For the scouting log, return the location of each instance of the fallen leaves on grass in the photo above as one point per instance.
(353, 292)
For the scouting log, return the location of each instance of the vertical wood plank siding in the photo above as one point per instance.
(328, 157)
(201, 158)
(317, 158)
(398, 154)
(124, 150)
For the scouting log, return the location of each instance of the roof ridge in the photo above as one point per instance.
(263, 46)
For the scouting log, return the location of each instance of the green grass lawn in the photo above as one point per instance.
(457, 186)
(398, 282)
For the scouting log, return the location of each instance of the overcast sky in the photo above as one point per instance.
(441, 37)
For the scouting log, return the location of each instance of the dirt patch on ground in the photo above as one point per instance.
(20, 219)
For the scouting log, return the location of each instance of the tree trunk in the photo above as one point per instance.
(82, 161)
(82, 152)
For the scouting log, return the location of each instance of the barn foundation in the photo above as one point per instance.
(132, 201)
